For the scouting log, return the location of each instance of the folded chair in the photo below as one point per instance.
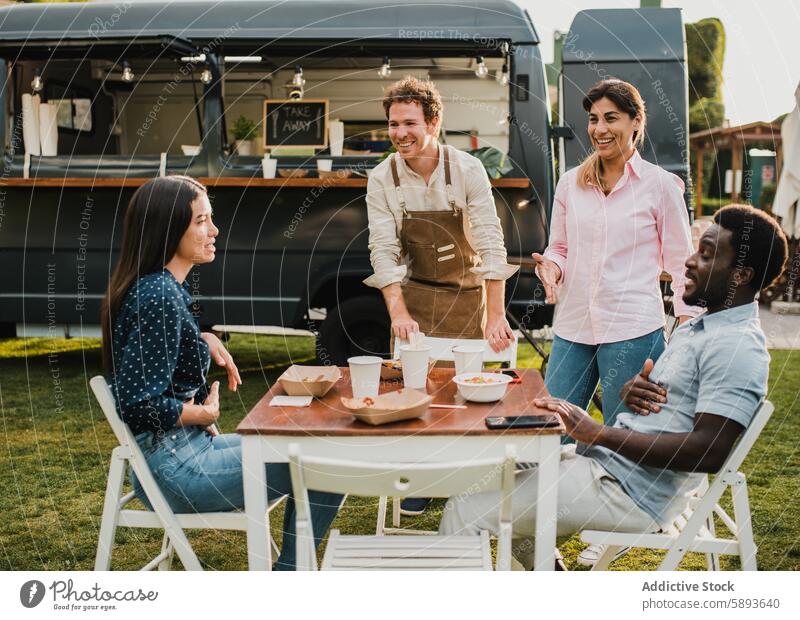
(458, 479)
(694, 529)
(161, 517)
(441, 350)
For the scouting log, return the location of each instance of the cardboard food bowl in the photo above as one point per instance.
(391, 370)
(292, 173)
(313, 381)
(403, 404)
(334, 174)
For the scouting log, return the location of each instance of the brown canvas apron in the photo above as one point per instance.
(441, 293)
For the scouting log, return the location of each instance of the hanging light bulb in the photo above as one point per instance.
(385, 71)
(481, 70)
(298, 80)
(37, 83)
(205, 76)
(127, 72)
(502, 75)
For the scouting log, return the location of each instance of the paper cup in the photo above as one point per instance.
(365, 375)
(324, 165)
(270, 167)
(415, 366)
(468, 358)
(336, 137)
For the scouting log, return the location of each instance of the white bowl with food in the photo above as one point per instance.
(482, 387)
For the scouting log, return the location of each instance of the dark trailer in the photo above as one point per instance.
(144, 89)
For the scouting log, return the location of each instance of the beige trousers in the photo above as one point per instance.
(588, 498)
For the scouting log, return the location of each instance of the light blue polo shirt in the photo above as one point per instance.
(715, 363)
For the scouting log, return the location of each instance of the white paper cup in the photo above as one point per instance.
(269, 167)
(468, 358)
(336, 137)
(324, 165)
(415, 366)
(365, 375)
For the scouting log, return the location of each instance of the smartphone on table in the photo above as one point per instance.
(521, 421)
(515, 376)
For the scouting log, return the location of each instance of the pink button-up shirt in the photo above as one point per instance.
(612, 250)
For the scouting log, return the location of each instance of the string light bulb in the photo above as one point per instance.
(205, 76)
(127, 72)
(298, 80)
(385, 71)
(502, 75)
(481, 70)
(37, 83)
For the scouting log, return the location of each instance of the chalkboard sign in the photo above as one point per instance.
(296, 122)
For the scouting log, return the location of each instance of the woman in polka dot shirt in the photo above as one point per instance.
(156, 361)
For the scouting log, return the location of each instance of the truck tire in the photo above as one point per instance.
(357, 326)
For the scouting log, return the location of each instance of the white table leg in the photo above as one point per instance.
(547, 503)
(254, 474)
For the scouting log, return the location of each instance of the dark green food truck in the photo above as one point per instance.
(124, 92)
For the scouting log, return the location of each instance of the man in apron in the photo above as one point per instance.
(435, 240)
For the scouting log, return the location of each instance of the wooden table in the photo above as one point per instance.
(326, 429)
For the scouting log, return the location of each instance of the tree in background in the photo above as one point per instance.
(705, 50)
(705, 47)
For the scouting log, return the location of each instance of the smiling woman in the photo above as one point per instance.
(617, 221)
(157, 360)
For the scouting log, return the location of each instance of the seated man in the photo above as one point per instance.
(636, 475)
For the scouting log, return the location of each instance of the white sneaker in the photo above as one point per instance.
(592, 553)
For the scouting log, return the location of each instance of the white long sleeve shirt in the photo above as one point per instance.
(472, 191)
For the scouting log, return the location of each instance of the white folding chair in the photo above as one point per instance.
(161, 517)
(457, 480)
(441, 350)
(694, 529)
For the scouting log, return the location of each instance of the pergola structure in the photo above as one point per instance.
(735, 139)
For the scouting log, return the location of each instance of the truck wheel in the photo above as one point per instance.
(357, 326)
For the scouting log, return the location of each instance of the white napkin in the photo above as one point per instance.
(290, 401)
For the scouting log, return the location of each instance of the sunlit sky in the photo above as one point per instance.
(762, 54)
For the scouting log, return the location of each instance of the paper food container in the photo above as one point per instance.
(292, 173)
(394, 406)
(309, 380)
(334, 174)
(391, 370)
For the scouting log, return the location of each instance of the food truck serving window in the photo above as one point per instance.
(109, 107)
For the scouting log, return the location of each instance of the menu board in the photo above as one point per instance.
(295, 122)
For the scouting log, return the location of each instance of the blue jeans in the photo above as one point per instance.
(200, 473)
(574, 369)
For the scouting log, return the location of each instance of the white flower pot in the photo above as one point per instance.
(244, 147)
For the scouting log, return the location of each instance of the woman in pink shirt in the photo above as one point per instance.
(617, 222)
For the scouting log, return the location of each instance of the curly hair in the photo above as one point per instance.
(757, 240)
(411, 89)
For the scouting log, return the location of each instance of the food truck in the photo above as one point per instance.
(99, 97)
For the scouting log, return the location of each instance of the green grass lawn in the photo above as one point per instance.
(56, 447)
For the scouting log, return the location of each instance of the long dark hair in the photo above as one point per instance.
(158, 215)
(628, 99)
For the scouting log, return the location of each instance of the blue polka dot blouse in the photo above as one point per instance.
(160, 359)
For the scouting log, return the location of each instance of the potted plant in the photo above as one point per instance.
(244, 130)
